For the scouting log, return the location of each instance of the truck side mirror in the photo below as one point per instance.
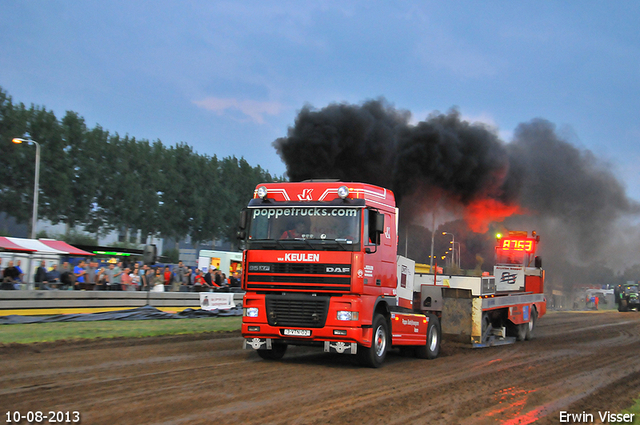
(379, 223)
(376, 226)
(538, 262)
(244, 216)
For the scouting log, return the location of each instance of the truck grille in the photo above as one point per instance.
(329, 278)
(297, 311)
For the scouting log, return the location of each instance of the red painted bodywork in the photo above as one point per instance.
(373, 275)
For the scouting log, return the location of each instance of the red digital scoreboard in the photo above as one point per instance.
(506, 245)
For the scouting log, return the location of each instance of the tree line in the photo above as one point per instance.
(102, 181)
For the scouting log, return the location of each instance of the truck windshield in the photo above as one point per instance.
(314, 225)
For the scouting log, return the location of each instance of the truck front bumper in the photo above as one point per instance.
(333, 339)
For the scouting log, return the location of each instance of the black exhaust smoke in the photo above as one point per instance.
(445, 162)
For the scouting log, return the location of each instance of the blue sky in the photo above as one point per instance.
(229, 77)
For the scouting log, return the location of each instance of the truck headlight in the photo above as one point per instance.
(251, 312)
(347, 315)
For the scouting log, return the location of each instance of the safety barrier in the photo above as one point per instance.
(70, 302)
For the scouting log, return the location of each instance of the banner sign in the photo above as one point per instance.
(214, 300)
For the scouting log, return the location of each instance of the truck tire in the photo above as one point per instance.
(517, 331)
(531, 326)
(432, 348)
(276, 353)
(374, 356)
(623, 306)
(521, 331)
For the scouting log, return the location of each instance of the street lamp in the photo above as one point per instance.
(453, 243)
(34, 218)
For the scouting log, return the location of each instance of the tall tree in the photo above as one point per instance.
(16, 162)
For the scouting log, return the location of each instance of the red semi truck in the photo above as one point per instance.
(321, 268)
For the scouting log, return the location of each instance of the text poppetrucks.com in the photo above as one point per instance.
(586, 418)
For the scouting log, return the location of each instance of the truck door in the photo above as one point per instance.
(380, 255)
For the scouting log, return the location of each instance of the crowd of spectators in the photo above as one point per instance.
(121, 276)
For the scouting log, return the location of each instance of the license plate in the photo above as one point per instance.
(297, 332)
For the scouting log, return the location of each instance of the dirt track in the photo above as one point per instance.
(578, 361)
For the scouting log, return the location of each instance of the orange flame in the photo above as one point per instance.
(479, 213)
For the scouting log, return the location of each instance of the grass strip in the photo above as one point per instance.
(48, 332)
(635, 409)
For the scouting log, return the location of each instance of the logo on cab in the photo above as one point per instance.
(304, 258)
(329, 269)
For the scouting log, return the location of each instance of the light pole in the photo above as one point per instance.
(453, 245)
(458, 257)
(34, 218)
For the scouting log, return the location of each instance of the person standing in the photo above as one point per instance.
(108, 277)
(18, 263)
(90, 275)
(101, 280)
(234, 281)
(158, 281)
(79, 272)
(53, 277)
(168, 278)
(125, 280)
(66, 276)
(208, 278)
(187, 279)
(198, 278)
(41, 276)
(138, 272)
(179, 277)
(218, 278)
(10, 276)
(117, 275)
(20, 272)
(149, 276)
(135, 279)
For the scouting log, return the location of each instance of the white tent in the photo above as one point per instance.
(30, 261)
(36, 245)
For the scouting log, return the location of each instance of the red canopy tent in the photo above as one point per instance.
(7, 245)
(63, 246)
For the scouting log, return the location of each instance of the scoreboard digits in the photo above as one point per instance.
(517, 245)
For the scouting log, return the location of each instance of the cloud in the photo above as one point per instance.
(252, 109)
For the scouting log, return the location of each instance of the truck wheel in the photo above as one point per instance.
(623, 306)
(531, 326)
(432, 348)
(374, 356)
(521, 331)
(276, 353)
(517, 331)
